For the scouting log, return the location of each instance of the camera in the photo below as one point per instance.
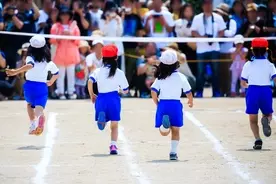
(156, 16)
(209, 36)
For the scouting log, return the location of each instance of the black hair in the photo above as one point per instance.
(109, 5)
(112, 62)
(260, 52)
(183, 9)
(163, 71)
(244, 12)
(40, 54)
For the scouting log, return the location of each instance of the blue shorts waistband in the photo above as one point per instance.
(109, 93)
(256, 86)
(165, 100)
(35, 82)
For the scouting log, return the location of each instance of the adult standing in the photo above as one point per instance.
(82, 17)
(44, 14)
(208, 25)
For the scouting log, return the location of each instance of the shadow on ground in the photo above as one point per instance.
(254, 150)
(31, 148)
(167, 161)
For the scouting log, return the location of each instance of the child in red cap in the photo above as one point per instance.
(108, 102)
(256, 76)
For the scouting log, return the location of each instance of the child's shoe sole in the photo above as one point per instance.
(266, 126)
(258, 145)
(173, 156)
(101, 121)
(41, 122)
(166, 121)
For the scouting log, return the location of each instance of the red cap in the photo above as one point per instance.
(259, 43)
(109, 51)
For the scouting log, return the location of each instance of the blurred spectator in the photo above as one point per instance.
(183, 29)
(132, 28)
(238, 13)
(95, 11)
(1, 18)
(174, 7)
(145, 70)
(82, 17)
(82, 71)
(254, 25)
(271, 25)
(225, 55)
(208, 25)
(3, 91)
(112, 26)
(64, 4)
(140, 8)
(263, 12)
(159, 23)
(44, 14)
(94, 60)
(67, 52)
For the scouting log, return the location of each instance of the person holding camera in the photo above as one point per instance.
(208, 25)
(1, 18)
(94, 8)
(41, 24)
(82, 17)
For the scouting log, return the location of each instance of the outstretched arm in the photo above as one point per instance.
(91, 92)
(154, 97)
(13, 72)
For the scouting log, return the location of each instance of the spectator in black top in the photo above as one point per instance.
(41, 24)
(254, 25)
(1, 18)
(82, 17)
(132, 26)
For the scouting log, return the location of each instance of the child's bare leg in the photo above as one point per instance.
(31, 112)
(174, 142)
(114, 137)
(254, 125)
(164, 131)
(41, 119)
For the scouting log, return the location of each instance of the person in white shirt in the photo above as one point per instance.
(208, 25)
(95, 12)
(38, 64)
(41, 24)
(256, 76)
(158, 22)
(230, 31)
(168, 87)
(110, 80)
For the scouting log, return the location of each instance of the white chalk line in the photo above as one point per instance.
(236, 165)
(274, 117)
(130, 157)
(41, 168)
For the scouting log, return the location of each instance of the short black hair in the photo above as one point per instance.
(40, 54)
(163, 71)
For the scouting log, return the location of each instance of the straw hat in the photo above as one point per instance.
(97, 33)
(223, 9)
(173, 46)
(24, 48)
(252, 7)
(83, 43)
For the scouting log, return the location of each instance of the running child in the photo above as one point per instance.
(169, 85)
(108, 102)
(256, 76)
(38, 64)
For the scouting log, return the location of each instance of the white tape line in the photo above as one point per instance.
(274, 117)
(41, 168)
(134, 39)
(130, 157)
(236, 165)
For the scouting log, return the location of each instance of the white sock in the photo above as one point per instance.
(163, 129)
(113, 143)
(174, 145)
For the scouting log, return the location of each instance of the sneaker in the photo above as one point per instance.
(73, 97)
(113, 150)
(258, 144)
(40, 127)
(199, 95)
(173, 156)
(33, 127)
(101, 121)
(233, 94)
(216, 94)
(166, 121)
(62, 97)
(242, 94)
(266, 126)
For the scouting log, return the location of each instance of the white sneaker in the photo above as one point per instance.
(73, 97)
(33, 127)
(62, 97)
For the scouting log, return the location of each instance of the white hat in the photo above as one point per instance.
(83, 43)
(168, 57)
(95, 42)
(238, 39)
(37, 41)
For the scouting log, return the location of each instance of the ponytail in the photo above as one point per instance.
(112, 63)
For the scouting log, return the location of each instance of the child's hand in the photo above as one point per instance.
(93, 98)
(49, 83)
(190, 103)
(11, 72)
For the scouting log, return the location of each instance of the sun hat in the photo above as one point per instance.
(168, 57)
(95, 42)
(238, 39)
(223, 9)
(252, 7)
(37, 41)
(109, 51)
(83, 43)
(24, 48)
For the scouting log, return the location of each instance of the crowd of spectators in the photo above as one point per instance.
(202, 63)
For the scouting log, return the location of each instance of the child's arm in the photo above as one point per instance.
(155, 87)
(52, 80)
(154, 97)
(90, 90)
(244, 84)
(13, 72)
(190, 99)
(123, 83)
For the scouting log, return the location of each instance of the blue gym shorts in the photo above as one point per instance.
(36, 93)
(259, 97)
(172, 108)
(110, 103)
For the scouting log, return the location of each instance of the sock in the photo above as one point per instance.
(258, 139)
(113, 143)
(163, 129)
(174, 145)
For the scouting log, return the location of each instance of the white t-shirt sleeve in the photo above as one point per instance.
(93, 76)
(53, 68)
(245, 50)
(232, 29)
(273, 71)
(232, 50)
(156, 86)
(195, 24)
(169, 20)
(89, 60)
(30, 60)
(123, 81)
(185, 84)
(221, 23)
(42, 17)
(245, 71)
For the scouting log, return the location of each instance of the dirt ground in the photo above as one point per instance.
(215, 147)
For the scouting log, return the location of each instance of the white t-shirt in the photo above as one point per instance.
(91, 60)
(39, 72)
(157, 30)
(211, 27)
(109, 84)
(171, 87)
(258, 72)
(229, 33)
(43, 17)
(238, 62)
(182, 29)
(95, 17)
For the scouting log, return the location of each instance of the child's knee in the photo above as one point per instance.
(114, 125)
